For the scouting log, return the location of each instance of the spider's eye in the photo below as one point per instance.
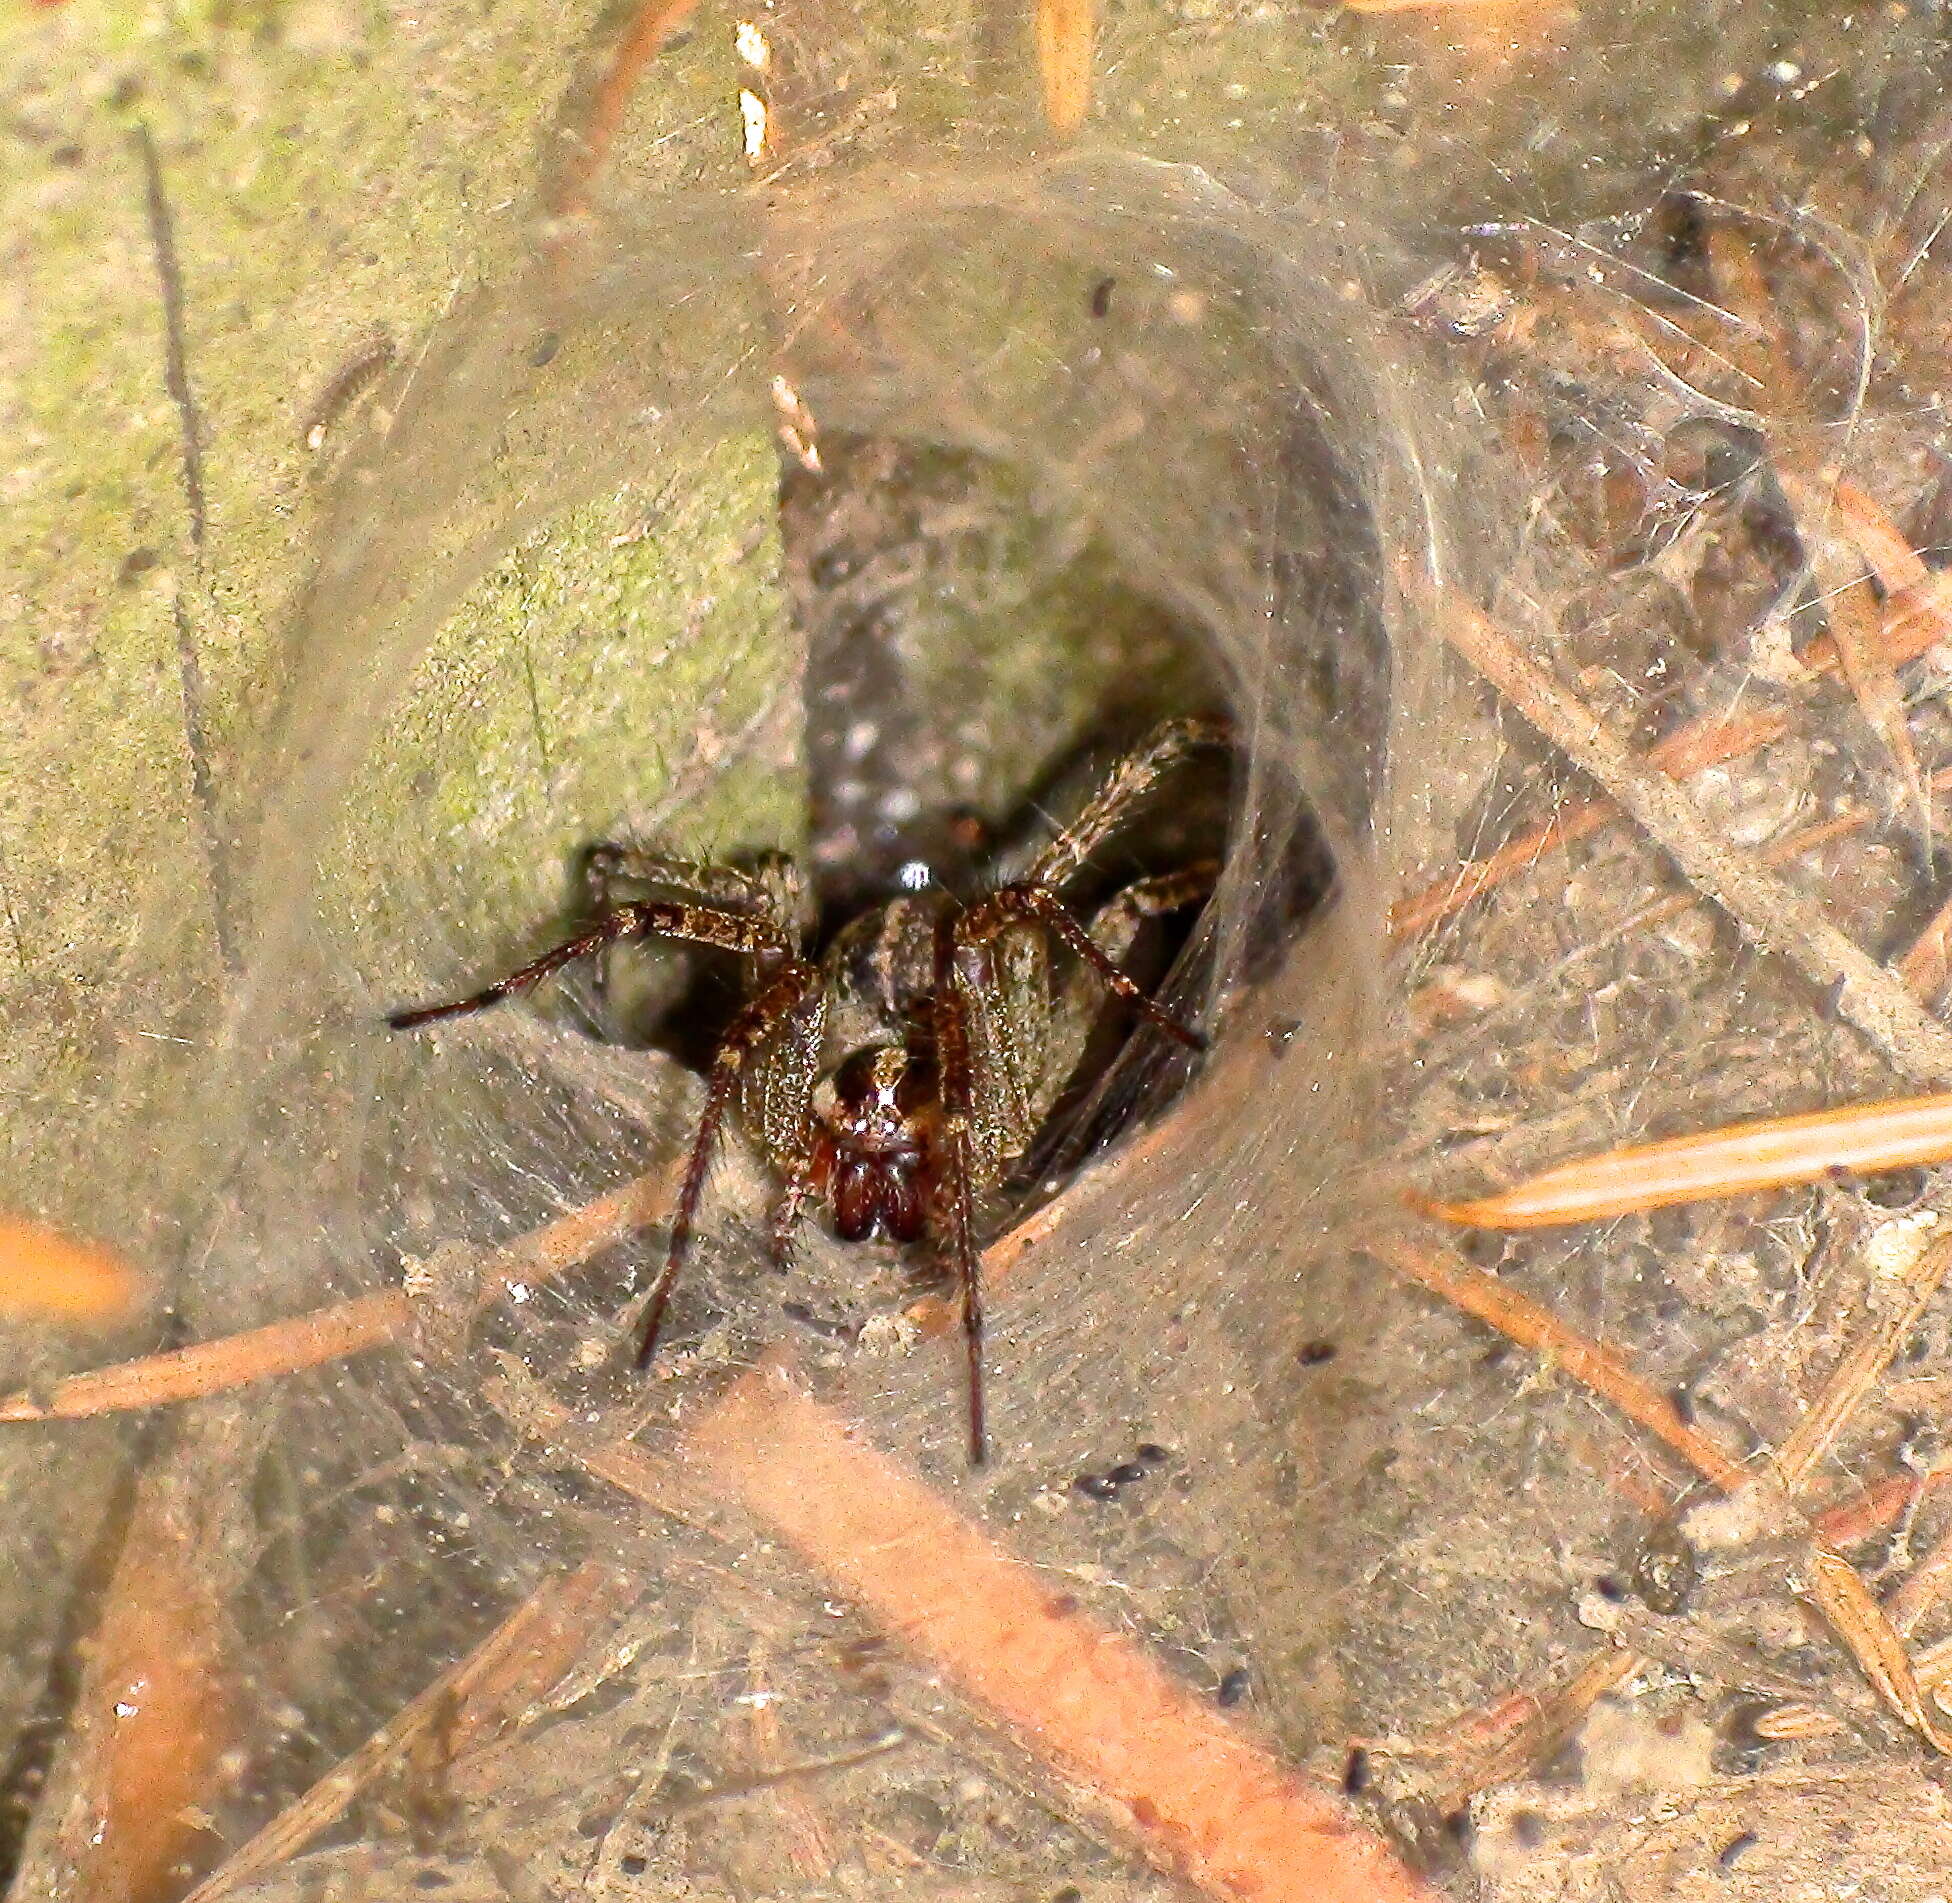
(870, 1077)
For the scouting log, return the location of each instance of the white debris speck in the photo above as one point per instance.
(1893, 1247)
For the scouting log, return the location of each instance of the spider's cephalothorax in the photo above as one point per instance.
(895, 1073)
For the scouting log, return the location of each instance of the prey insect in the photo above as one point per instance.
(893, 1072)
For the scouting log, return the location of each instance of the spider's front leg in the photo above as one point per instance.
(1124, 789)
(977, 1139)
(751, 933)
(608, 864)
(791, 999)
(789, 991)
(1038, 905)
(955, 1163)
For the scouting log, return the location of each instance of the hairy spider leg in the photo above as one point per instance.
(787, 988)
(746, 932)
(609, 862)
(962, 946)
(785, 993)
(1117, 920)
(796, 1175)
(1035, 904)
(1124, 787)
(955, 1085)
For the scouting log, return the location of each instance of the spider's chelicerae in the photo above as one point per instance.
(896, 1071)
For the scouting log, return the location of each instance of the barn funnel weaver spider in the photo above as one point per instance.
(896, 1072)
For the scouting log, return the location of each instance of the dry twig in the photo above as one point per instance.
(510, 1669)
(1771, 914)
(1534, 1326)
(343, 1328)
(1203, 1800)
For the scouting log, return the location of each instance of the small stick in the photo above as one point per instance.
(1876, 1508)
(651, 24)
(809, 1844)
(1203, 1801)
(1529, 1726)
(1916, 619)
(1927, 963)
(509, 1670)
(158, 1704)
(214, 1367)
(1838, 1591)
(1934, 1666)
(1899, 569)
(1688, 750)
(343, 1328)
(1856, 627)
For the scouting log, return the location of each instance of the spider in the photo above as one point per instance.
(896, 1071)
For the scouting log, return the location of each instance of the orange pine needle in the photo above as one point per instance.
(215, 1367)
(1066, 34)
(153, 1717)
(341, 1328)
(1736, 1160)
(1206, 1801)
(651, 25)
(47, 1276)
(1532, 1325)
